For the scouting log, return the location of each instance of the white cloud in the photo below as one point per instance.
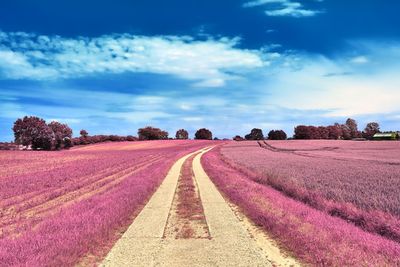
(208, 62)
(283, 8)
(356, 90)
(359, 60)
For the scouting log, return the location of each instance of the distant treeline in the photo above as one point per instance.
(347, 131)
(32, 132)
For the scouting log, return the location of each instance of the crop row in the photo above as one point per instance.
(358, 190)
(313, 236)
(60, 212)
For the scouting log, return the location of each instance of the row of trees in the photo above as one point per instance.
(347, 131)
(257, 134)
(86, 139)
(151, 133)
(34, 132)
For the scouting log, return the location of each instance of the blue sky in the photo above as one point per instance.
(230, 65)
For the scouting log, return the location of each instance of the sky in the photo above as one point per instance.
(111, 67)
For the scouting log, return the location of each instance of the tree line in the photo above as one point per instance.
(347, 131)
(33, 132)
(257, 134)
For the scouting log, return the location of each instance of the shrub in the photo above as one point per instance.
(84, 133)
(238, 138)
(204, 134)
(131, 138)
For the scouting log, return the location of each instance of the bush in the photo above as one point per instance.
(151, 133)
(277, 135)
(238, 138)
(131, 138)
(84, 133)
(203, 134)
(182, 134)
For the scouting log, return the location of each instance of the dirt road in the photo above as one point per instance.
(188, 223)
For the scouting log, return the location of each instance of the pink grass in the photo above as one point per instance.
(313, 236)
(336, 177)
(73, 203)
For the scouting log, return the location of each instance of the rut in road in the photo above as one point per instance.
(188, 223)
(186, 218)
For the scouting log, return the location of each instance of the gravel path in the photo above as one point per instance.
(231, 242)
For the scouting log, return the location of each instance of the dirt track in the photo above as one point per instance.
(233, 240)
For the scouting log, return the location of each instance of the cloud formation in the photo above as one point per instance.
(287, 8)
(282, 90)
(209, 63)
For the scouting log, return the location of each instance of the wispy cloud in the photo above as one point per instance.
(209, 63)
(283, 8)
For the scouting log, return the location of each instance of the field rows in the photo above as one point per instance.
(65, 212)
(316, 238)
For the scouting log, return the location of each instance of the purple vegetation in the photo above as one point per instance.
(313, 236)
(58, 207)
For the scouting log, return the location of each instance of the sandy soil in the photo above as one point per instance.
(232, 241)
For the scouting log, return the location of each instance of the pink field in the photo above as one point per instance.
(62, 208)
(356, 181)
(242, 172)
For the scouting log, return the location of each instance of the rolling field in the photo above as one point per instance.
(325, 203)
(318, 197)
(62, 208)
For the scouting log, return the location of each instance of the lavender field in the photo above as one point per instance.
(317, 197)
(61, 209)
(356, 181)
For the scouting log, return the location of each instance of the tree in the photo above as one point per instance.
(255, 134)
(277, 135)
(371, 129)
(151, 133)
(334, 132)
(203, 133)
(33, 131)
(62, 135)
(352, 125)
(302, 132)
(182, 134)
(84, 133)
(323, 132)
(346, 132)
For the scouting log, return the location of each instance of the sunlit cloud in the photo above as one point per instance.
(209, 63)
(280, 8)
